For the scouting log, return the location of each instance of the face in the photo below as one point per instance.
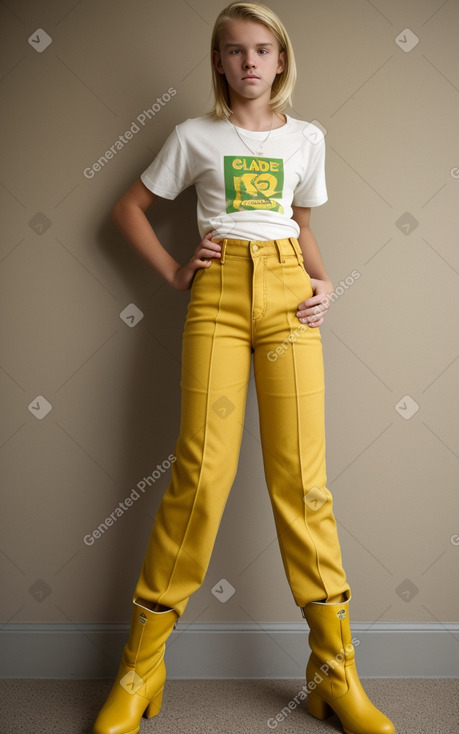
(249, 57)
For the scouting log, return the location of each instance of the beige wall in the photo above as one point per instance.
(392, 140)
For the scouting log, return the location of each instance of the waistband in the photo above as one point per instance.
(284, 247)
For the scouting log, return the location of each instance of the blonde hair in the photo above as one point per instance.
(284, 82)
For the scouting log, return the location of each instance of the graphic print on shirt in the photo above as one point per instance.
(253, 183)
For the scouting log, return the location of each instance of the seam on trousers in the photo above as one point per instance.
(206, 425)
(253, 324)
(294, 348)
(257, 264)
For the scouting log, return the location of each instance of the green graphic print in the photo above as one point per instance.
(253, 183)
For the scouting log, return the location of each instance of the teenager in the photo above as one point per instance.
(259, 289)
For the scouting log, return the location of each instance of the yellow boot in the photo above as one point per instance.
(138, 687)
(331, 675)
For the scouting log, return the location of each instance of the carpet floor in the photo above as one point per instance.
(415, 705)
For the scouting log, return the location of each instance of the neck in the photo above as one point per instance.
(254, 115)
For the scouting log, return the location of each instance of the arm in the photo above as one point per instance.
(313, 310)
(129, 214)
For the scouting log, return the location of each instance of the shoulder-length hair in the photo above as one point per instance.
(284, 82)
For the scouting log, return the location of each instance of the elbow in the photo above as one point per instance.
(118, 213)
(115, 212)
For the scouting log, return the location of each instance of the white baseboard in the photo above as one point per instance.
(384, 650)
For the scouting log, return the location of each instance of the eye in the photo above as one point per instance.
(263, 50)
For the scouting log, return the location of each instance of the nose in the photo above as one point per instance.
(249, 61)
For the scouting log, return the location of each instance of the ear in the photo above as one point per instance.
(217, 61)
(281, 63)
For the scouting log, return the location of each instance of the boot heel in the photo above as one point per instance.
(154, 707)
(317, 707)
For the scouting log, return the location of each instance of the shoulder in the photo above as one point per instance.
(199, 125)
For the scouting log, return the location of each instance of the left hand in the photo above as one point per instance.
(313, 311)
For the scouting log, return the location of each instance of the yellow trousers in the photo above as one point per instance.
(241, 305)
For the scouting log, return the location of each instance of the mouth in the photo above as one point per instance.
(250, 78)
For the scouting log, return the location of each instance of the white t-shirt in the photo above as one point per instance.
(242, 194)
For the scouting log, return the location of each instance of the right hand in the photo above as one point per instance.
(206, 249)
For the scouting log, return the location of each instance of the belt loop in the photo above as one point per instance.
(279, 250)
(296, 246)
(223, 251)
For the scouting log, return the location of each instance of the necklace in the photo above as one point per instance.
(259, 149)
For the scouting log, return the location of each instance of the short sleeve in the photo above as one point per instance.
(168, 175)
(312, 188)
